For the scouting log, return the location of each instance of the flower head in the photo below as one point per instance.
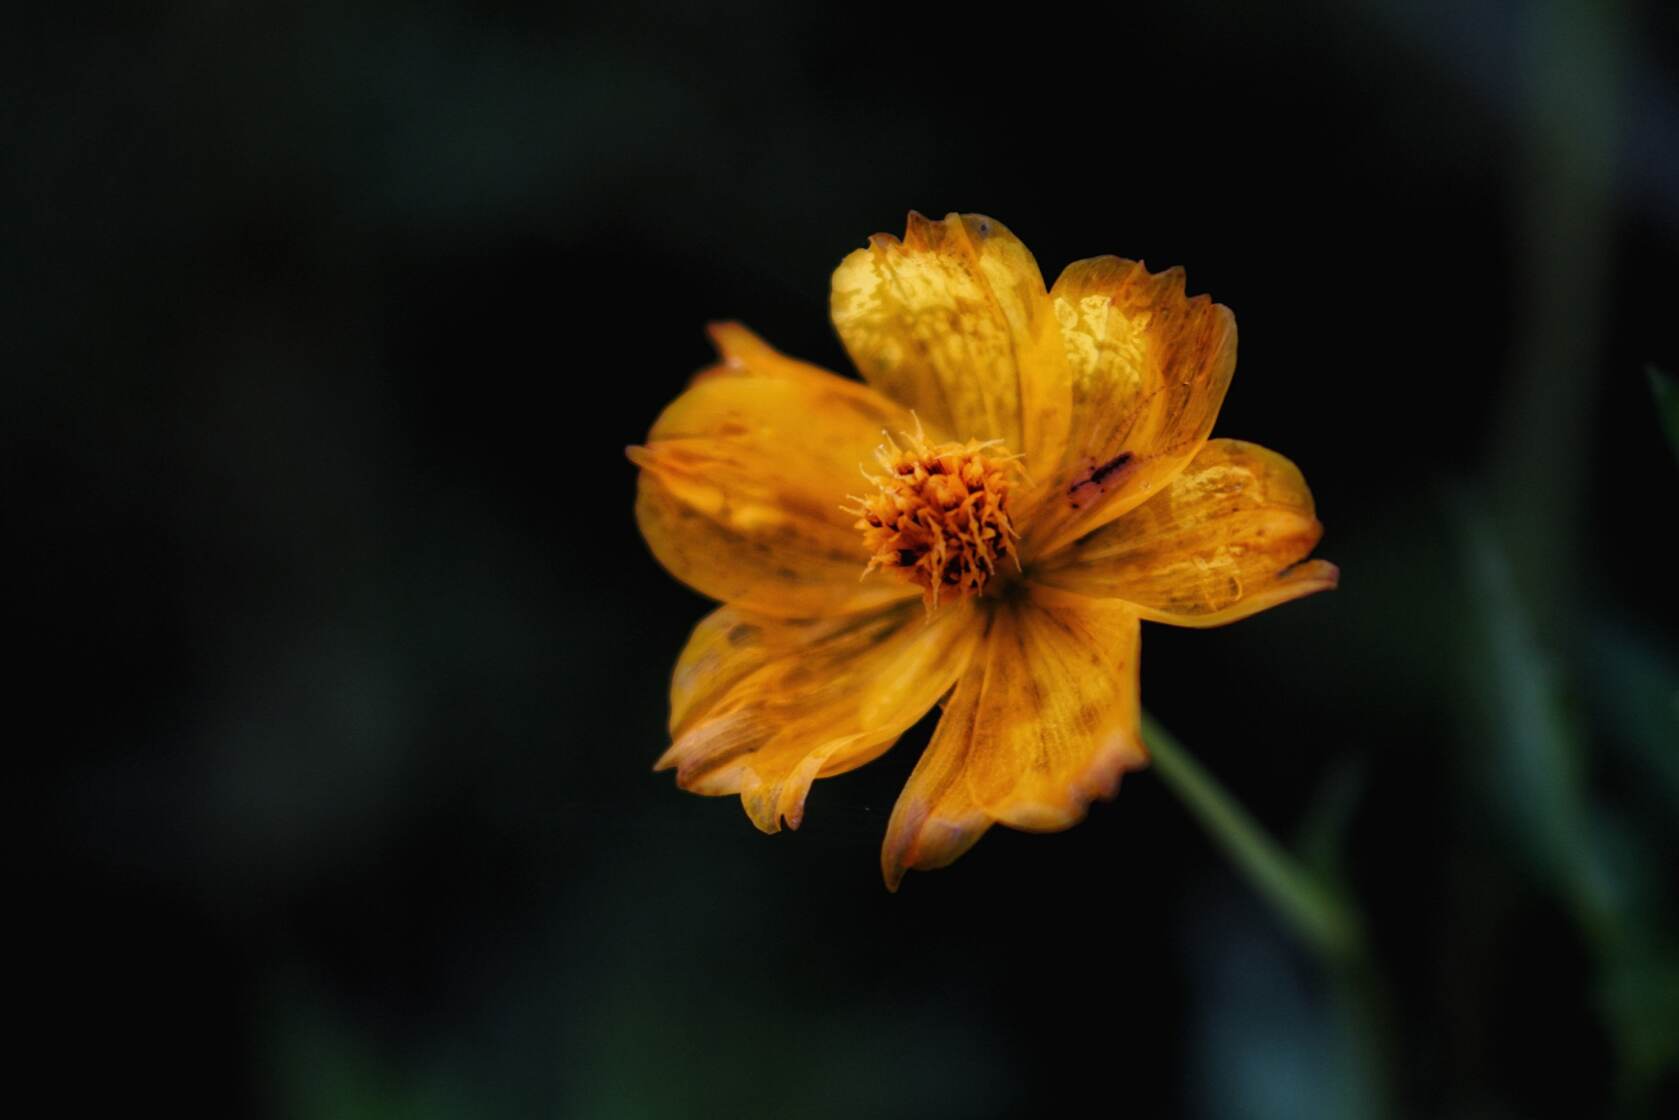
(1035, 478)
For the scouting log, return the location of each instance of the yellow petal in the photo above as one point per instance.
(1149, 371)
(1044, 721)
(742, 353)
(1228, 537)
(954, 323)
(763, 706)
(743, 477)
(935, 819)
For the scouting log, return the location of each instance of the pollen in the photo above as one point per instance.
(940, 516)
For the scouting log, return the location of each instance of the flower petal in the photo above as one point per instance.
(743, 353)
(953, 322)
(1149, 371)
(1044, 721)
(763, 706)
(935, 819)
(743, 477)
(1228, 537)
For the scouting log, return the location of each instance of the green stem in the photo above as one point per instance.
(1314, 910)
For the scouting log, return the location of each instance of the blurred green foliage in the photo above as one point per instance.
(1666, 392)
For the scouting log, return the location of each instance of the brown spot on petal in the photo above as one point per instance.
(1095, 481)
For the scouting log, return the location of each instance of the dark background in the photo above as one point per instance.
(343, 665)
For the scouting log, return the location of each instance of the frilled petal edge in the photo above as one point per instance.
(1149, 366)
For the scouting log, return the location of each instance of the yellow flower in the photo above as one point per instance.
(1036, 478)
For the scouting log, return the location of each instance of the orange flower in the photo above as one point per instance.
(1036, 479)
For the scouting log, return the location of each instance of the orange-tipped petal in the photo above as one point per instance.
(1150, 368)
(935, 819)
(1229, 536)
(953, 322)
(761, 707)
(1043, 723)
(743, 477)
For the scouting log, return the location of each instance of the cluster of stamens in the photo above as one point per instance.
(940, 517)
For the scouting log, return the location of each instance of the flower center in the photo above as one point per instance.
(940, 517)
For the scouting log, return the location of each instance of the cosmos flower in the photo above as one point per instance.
(1020, 479)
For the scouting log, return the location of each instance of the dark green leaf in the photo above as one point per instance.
(1665, 388)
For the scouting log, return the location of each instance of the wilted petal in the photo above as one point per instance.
(1044, 721)
(1228, 537)
(743, 477)
(763, 706)
(1149, 371)
(953, 322)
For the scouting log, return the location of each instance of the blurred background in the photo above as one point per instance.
(344, 666)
